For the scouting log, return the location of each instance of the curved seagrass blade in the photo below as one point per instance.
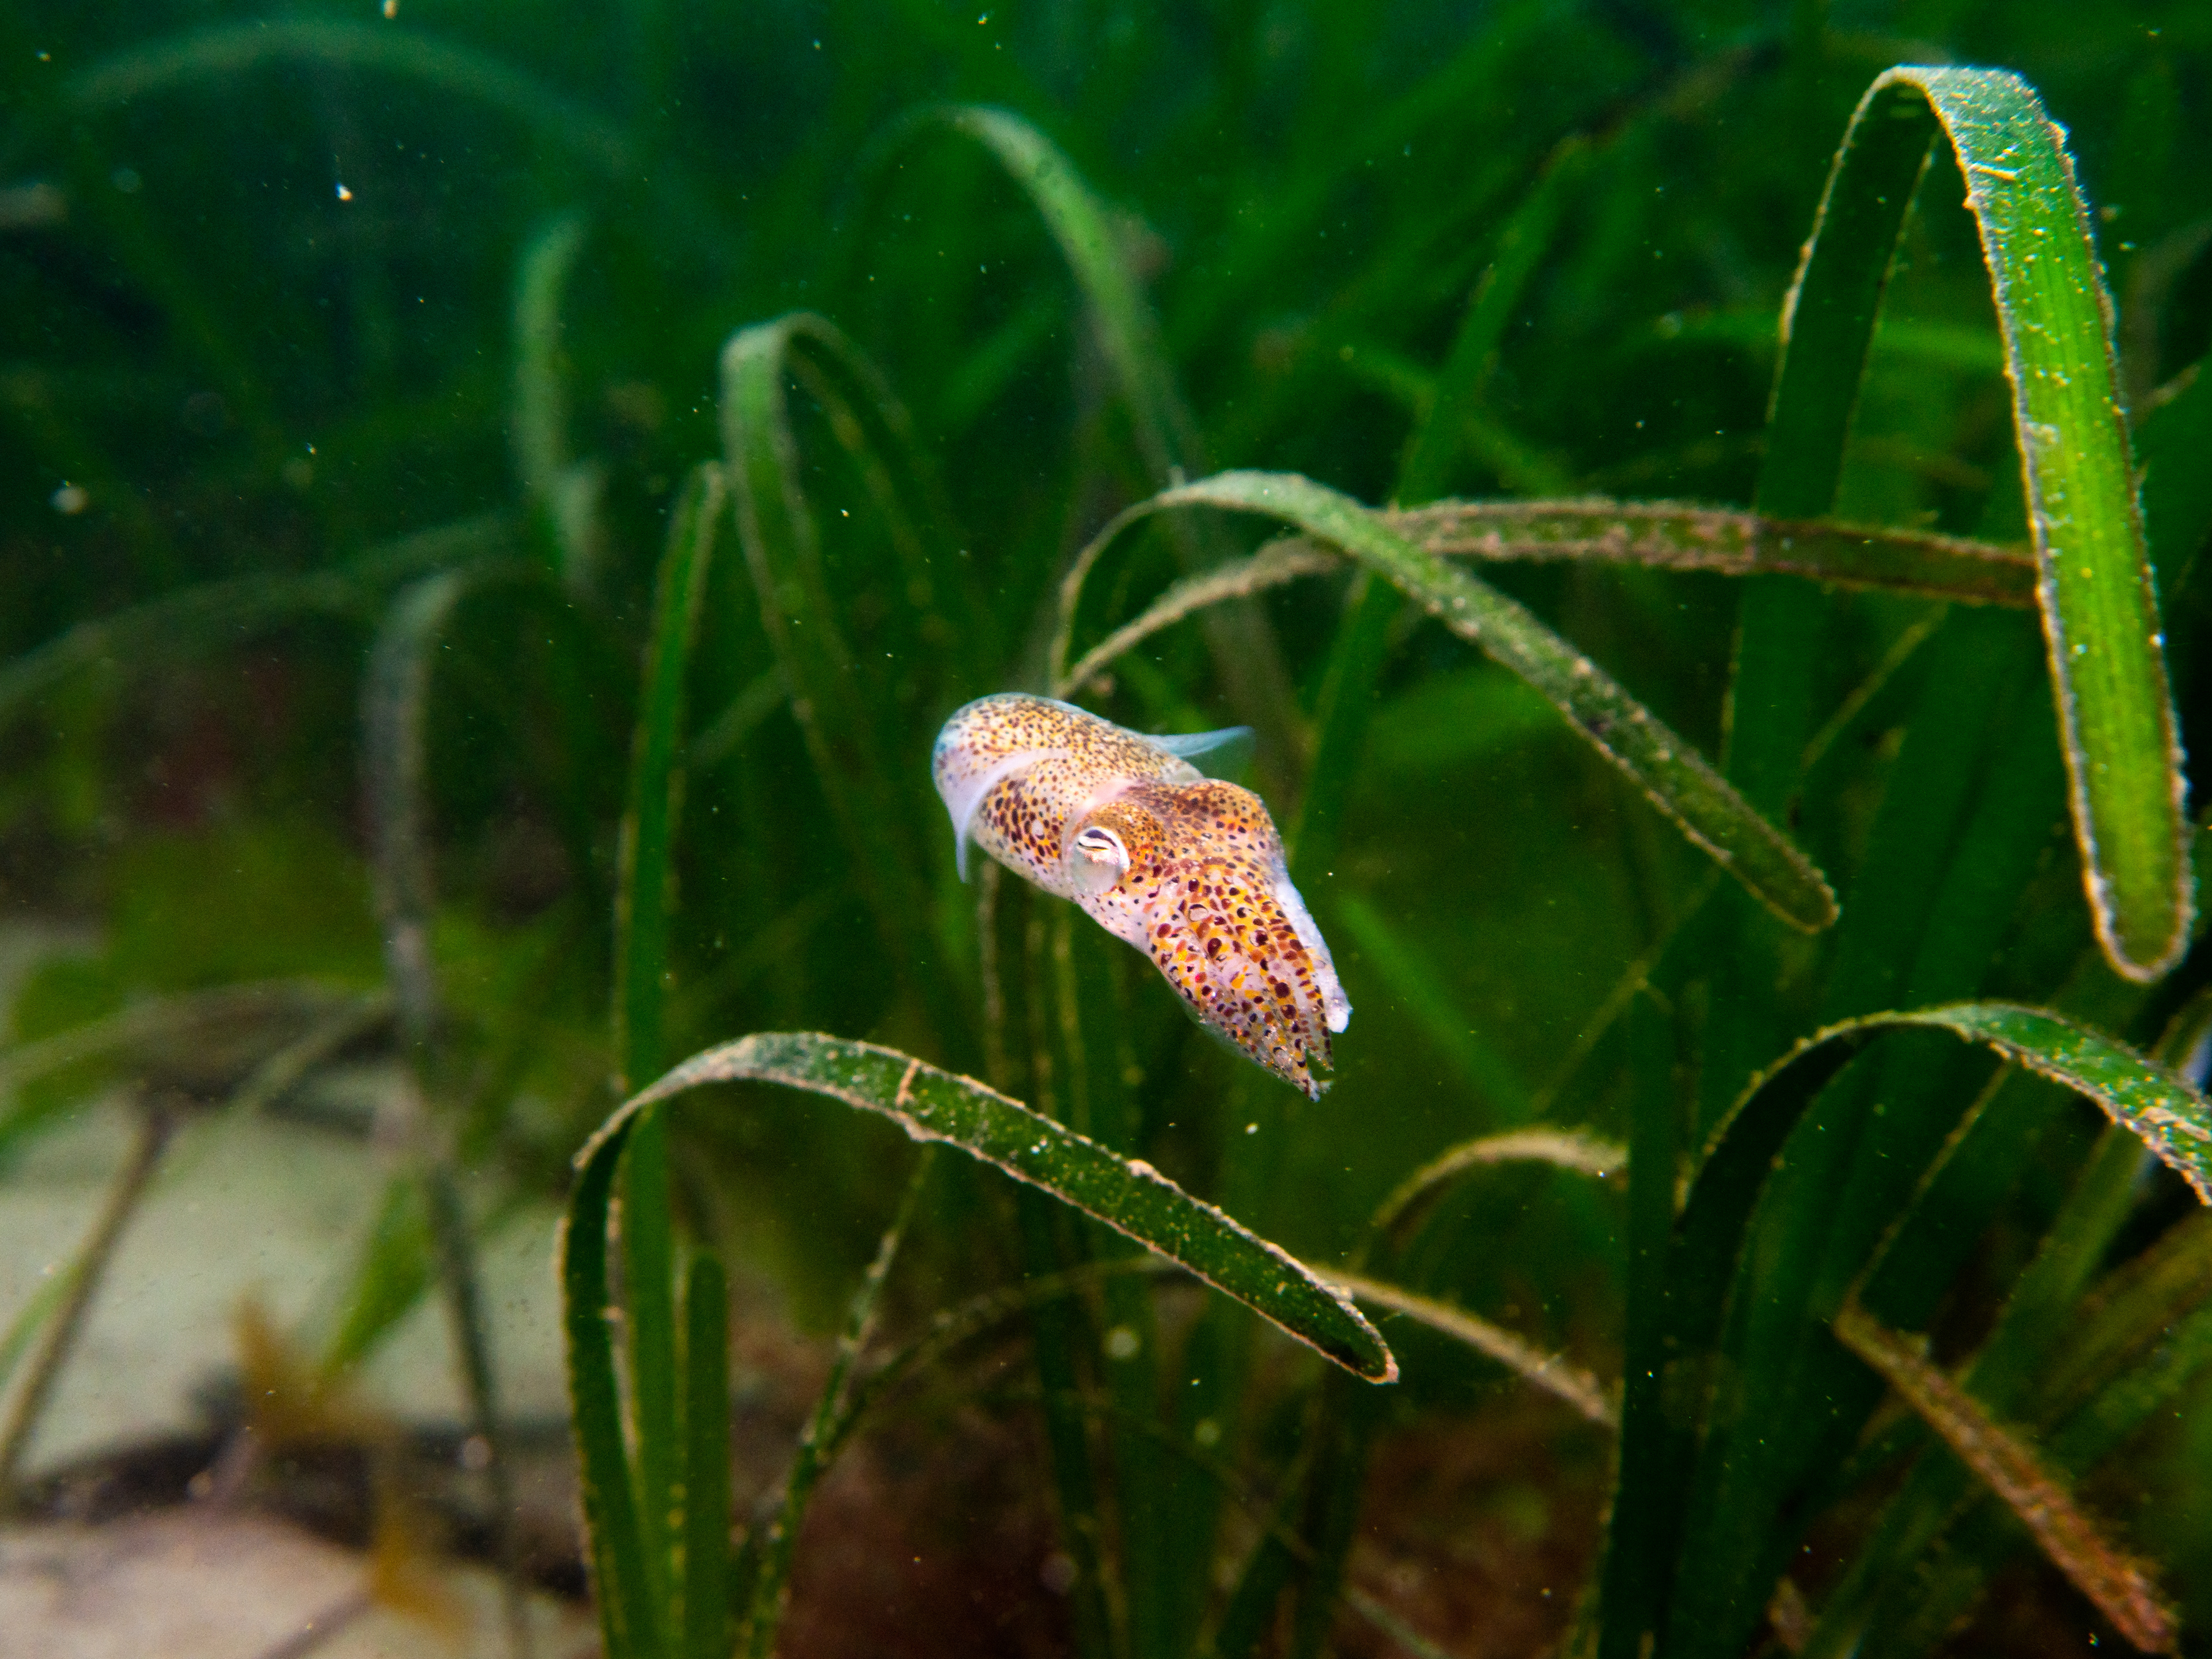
(2121, 1587)
(2162, 1110)
(1245, 652)
(644, 858)
(1128, 1196)
(1672, 774)
(856, 753)
(213, 615)
(1660, 535)
(2099, 613)
(930, 1105)
(222, 54)
(1713, 1602)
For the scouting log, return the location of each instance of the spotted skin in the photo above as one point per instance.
(1187, 868)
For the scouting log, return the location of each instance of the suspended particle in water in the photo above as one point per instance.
(70, 500)
(344, 195)
(392, 8)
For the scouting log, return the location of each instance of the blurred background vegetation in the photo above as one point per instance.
(299, 307)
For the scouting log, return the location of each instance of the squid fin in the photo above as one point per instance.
(1230, 749)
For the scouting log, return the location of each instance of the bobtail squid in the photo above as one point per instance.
(1187, 868)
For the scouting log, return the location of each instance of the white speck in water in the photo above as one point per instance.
(70, 500)
(344, 195)
(1122, 1343)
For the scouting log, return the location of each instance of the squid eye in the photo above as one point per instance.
(1097, 859)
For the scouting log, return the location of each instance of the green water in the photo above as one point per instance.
(496, 504)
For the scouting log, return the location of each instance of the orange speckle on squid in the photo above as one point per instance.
(1187, 868)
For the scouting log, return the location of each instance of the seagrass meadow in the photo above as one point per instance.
(1701, 508)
